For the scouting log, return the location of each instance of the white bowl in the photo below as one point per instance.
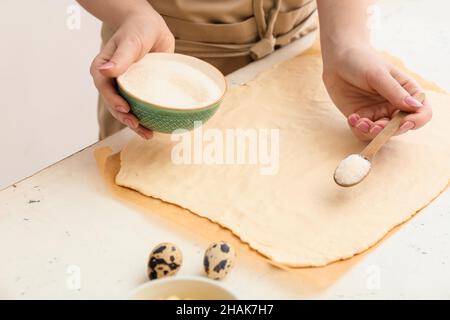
(190, 288)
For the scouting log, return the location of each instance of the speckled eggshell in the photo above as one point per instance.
(218, 260)
(165, 260)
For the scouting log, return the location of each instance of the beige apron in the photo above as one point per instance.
(227, 33)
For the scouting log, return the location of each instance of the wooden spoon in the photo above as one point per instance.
(377, 143)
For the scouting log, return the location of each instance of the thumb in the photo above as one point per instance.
(127, 51)
(388, 87)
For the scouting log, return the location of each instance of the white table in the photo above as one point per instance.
(62, 235)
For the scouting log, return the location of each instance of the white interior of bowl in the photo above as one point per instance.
(190, 288)
(174, 81)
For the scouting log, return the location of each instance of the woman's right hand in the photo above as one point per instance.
(139, 34)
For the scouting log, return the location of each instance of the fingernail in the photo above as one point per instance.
(122, 109)
(142, 135)
(145, 134)
(106, 65)
(363, 127)
(376, 130)
(410, 101)
(129, 123)
(353, 119)
(408, 125)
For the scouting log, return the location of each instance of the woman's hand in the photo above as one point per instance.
(368, 90)
(138, 34)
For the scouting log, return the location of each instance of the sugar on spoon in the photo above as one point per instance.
(353, 169)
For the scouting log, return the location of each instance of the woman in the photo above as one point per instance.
(231, 33)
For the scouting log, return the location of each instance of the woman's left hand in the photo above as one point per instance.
(368, 90)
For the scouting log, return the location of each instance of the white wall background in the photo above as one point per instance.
(48, 101)
(417, 31)
(47, 97)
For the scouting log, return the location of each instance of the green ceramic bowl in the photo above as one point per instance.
(168, 119)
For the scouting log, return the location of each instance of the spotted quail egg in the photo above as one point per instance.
(218, 260)
(165, 260)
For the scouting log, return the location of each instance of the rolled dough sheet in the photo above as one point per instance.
(299, 217)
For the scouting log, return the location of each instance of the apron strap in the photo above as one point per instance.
(266, 45)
